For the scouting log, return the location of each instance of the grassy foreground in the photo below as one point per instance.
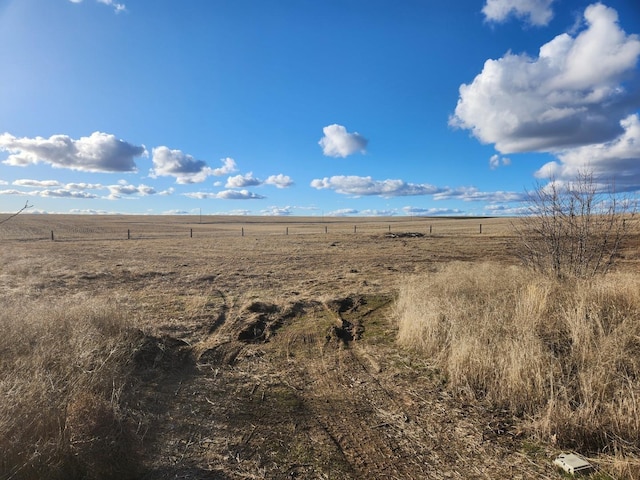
(62, 373)
(271, 354)
(563, 356)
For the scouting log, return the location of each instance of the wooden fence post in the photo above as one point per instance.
(52, 239)
(191, 233)
(480, 228)
(128, 234)
(243, 231)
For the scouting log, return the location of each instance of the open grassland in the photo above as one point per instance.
(218, 347)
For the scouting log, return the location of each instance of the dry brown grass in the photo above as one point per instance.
(63, 367)
(211, 402)
(563, 355)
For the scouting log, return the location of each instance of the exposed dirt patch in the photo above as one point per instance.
(166, 353)
(404, 235)
(298, 403)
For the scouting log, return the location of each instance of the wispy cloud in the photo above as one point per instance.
(25, 182)
(507, 210)
(431, 212)
(364, 186)
(49, 193)
(118, 7)
(278, 211)
(343, 212)
(496, 161)
(472, 194)
(225, 195)
(535, 12)
(36, 183)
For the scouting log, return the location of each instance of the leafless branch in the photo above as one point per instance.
(574, 229)
(26, 206)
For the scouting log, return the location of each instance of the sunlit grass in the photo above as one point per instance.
(564, 356)
(63, 368)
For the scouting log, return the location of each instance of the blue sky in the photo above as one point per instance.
(307, 107)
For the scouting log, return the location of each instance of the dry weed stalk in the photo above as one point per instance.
(63, 367)
(563, 355)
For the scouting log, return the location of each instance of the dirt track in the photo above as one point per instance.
(308, 402)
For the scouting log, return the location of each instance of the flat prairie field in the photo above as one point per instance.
(253, 257)
(270, 343)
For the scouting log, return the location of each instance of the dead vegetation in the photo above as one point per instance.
(272, 356)
(65, 368)
(562, 357)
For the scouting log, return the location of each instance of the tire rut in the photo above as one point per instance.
(363, 426)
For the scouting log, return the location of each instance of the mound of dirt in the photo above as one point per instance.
(404, 235)
(164, 353)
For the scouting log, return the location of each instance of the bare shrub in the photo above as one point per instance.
(64, 364)
(574, 228)
(564, 355)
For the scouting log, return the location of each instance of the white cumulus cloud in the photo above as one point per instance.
(337, 142)
(280, 181)
(124, 188)
(175, 163)
(536, 12)
(84, 186)
(364, 186)
(616, 161)
(238, 195)
(241, 181)
(574, 93)
(248, 180)
(100, 152)
(228, 166)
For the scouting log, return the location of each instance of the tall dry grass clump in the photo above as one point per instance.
(565, 355)
(63, 367)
